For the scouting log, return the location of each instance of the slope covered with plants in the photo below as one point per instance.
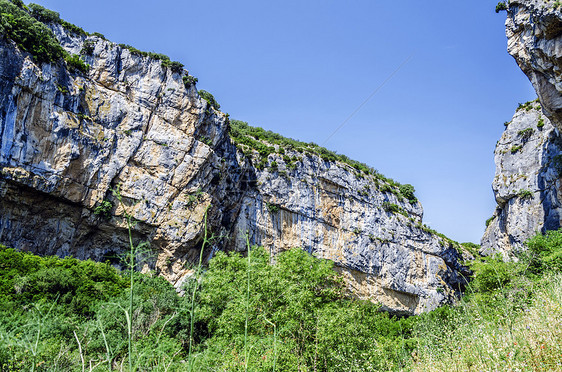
(293, 314)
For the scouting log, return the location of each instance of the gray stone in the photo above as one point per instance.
(68, 141)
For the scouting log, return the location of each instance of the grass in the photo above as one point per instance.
(296, 316)
(477, 337)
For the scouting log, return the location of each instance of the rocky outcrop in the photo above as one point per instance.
(534, 32)
(527, 185)
(69, 141)
(373, 234)
(528, 157)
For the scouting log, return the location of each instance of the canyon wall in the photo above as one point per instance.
(132, 137)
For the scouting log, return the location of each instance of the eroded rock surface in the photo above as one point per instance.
(528, 156)
(534, 32)
(69, 140)
(527, 182)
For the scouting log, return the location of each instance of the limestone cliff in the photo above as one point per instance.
(528, 157)
(534, 32)
(135, 123)
(527, 181)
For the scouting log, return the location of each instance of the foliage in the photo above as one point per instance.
(489, 220)
(266, 142)
(210, 99)
(87, 48)
(491, 273)
(29, 34)
(525, 194)
(165, 61)
(502, 5)
(48, 16)
(272, 208)
(393, 208)
(528, 106)
(75, 285)
(545, 253)
(511, 319)
(408, 191)
(302, 299)
(74, 64)
(247, 313)
(540, 123)
(189, 81)
(104, 209)
(525, 134)
(515, 148)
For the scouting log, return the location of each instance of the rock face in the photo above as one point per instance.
(527, 182)
(68, 141)
(337, 213)
(534, 32)
(528, 157)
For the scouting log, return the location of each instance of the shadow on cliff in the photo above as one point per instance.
(551, 162)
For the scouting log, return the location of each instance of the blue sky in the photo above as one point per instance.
(300, 68)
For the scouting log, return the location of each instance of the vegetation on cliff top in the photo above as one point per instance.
(265, 142)
(26, 27)
(249, 314)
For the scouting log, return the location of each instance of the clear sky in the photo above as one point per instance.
(301, 67)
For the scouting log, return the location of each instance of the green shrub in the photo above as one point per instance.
(489, 220)
(75, 64)
(104, 209)
(545, 252)
(525, 194)
(29, 34)
(408, 191)
(393, 208)
(189, 81)
(502, 5)
(491, 274)
(87, 48)
(525, 134)
(540, 123)
(272, 208)
(516, 148)
(43, 14)
(210, 99)
(77, 285)
(256, 138)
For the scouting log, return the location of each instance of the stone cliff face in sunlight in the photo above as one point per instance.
(534, 32)
(68, 139)
(527, 182)
(528, 157)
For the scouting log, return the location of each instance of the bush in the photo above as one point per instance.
(393, 208)
(525, 194)
(43, 14)
(75, 64)
(29, 34)
(491, 274)
(87, 48)
(545, 252)
(525, 134)
(104, 209)
(408, 191)
(515, 148)
(502, 5)
(210, 99)
(540, 123)
(189, 81)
